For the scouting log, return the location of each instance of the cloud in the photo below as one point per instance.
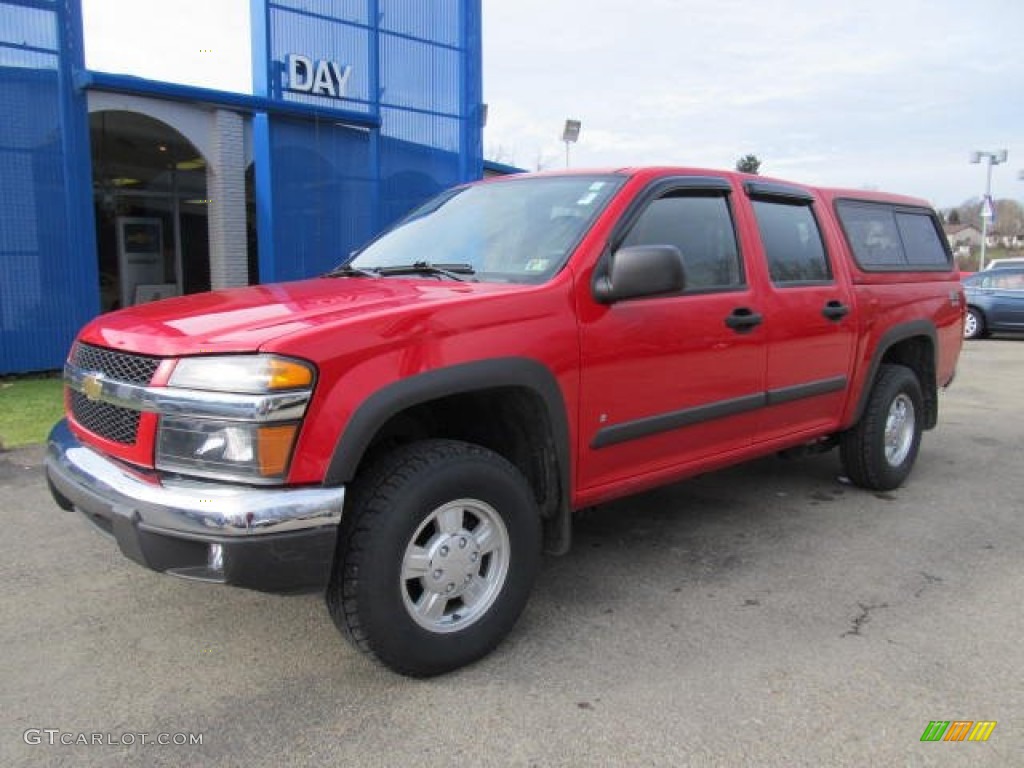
(889, 94)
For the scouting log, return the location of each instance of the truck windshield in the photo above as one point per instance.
(513, 230)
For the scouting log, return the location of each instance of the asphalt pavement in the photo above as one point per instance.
(767, 615)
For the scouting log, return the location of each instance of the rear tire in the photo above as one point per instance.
(437, 554)
(879, 451)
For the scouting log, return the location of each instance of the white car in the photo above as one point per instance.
(998, 263)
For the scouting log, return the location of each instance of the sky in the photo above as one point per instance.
(890, 95)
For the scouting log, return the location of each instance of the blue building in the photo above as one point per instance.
(116, 190)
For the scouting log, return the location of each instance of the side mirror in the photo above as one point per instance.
(641, 270)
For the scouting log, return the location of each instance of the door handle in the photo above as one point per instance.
(743, 319)
(835, 310)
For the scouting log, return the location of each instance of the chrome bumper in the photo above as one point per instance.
(170, 525)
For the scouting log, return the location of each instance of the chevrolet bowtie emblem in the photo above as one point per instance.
(92, 386)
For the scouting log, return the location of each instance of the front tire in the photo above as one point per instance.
(879, 451)
(437, 555)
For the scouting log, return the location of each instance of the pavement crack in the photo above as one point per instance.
(862, 618)
(929, 580)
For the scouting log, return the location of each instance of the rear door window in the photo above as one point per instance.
(792, 242)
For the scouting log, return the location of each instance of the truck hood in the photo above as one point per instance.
(243, 319)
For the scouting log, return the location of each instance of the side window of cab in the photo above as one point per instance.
(699, 223)
(792, 243)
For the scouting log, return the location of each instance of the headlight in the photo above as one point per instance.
(241, 373)
(237, 435)
(212, 448)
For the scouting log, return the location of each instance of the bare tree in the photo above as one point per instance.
(500, 154)
(544, 160)
(1009, 215)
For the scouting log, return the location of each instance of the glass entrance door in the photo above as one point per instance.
(149, 188)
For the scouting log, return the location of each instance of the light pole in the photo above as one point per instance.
(987, 210)
(570, 135)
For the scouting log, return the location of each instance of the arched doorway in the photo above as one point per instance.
(150, 199)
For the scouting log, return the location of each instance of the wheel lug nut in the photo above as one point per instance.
(474, 557)
(444, 551)
(462, 543)
(438, 574)
(450, 588)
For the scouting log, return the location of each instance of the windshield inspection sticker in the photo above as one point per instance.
(537, 265)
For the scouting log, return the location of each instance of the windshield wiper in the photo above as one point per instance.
(347, 270)
(451, 271)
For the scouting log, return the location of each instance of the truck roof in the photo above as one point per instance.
(826, 194)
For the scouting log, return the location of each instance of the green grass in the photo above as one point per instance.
(28, 408)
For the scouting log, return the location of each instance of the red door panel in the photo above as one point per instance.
(660, 379)
(809, 318)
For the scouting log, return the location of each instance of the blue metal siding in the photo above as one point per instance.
(436, 21)
(322, 190)
(416, 65)
(329, 173)
(430, 131)
(351, 10)
(321, 38)
(472, 86)
(30, 27)
(48, 280)
(420, 75)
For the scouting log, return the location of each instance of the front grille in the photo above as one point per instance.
(117, 366)
(111, 422)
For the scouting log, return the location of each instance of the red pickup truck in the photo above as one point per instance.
(410, 431)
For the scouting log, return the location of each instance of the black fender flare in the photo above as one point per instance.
(889, 339)
(385, 403)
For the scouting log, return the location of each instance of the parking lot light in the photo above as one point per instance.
(570, 135)
(987, 209)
